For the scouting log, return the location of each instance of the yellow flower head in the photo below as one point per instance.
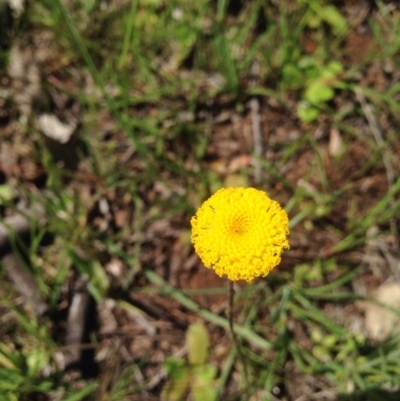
(240, 232)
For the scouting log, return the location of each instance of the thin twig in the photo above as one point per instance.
(76, 321)
(256, 125)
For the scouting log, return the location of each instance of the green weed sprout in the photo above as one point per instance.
(194, 375)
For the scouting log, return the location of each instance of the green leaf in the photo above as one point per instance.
(179, 374)
(6, 193)
(205, 372)
(335, 67)
(306, 112)
(314, 21)
(332, 16)
(173, 365)
(36, 361)
(99, 277)
(307, 63)
(9, 380)
(197, 343)
(7, 358)
(318, 93)
(292, 76)
(203, 383)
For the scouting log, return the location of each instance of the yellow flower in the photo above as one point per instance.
(240, 232)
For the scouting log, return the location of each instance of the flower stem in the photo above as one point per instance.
(236, 342)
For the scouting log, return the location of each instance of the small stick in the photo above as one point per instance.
(25, 283)
(76, 322)
(256, 125)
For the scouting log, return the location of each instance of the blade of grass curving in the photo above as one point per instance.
(85, 267)
(383, 365)
(99, 81)
(325, 289)
(304, 359)
(242, 331)
(194, 292)
(242, 293)
(226, 372)
(276, 365)
(226, 62)
(358, 380)
(62, 268)
(319, 163)
(81, 394)
(248, 17)
(391, 357)
(340, 296)
(294, 221)
(381, 211)
(308, 311)
(378, 214)
(222, 6)
(128, 34)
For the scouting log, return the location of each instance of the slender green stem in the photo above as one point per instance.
(235, 340)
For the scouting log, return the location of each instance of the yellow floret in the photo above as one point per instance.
(240, 232)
